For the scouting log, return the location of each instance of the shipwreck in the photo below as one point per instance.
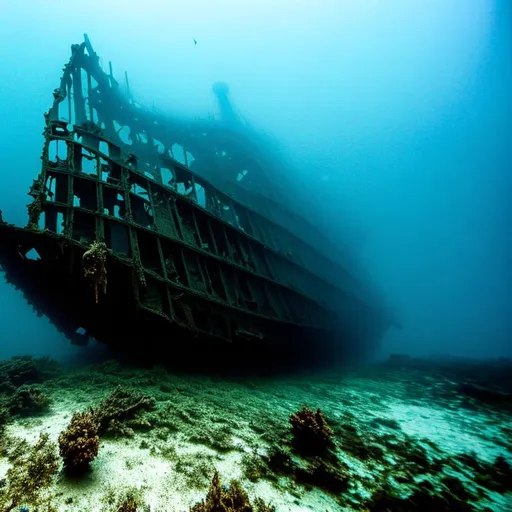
(149, 231)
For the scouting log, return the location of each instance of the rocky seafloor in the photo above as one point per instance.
(404, 435)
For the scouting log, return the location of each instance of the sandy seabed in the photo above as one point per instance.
(430, 428)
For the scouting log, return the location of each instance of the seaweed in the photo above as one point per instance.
(232, 498)
(117, 414)
(27, 400)
(32, 470)
(311, 434)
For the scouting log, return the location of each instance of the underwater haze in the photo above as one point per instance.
(396, 115)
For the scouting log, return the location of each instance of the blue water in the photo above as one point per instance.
(396, 115)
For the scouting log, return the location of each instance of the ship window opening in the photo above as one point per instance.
(188, 229)
(104, 147)
(149, 171)
(243, 221)
(89, 163)
(84, 227)
(71, 104)
(260, 296)
(260, 262)
(221, 241)
(115, 174)
(189, 158)
(159, 146)
(142, 212)
(85, 194)
(54, 221)
(204, 232)
(124, 133)
(241, 175)
(57, 151)
(217, 286)
(64, 114)
(139, 187)
(173, 260)
(168, 177)
(87, 109)
(234, 216)
(59, 131)
(212, 204)
(184, 184)
(41, 224)
(226, 212)
(149, 253)
(201, 195)
(246, 253)
(202, 317)
(183, 313)
(104, 170)
(140, 191)
(142, 137)
(220, 326)
(59, 188)
(60, 223)
(246, 297)
(83, 76)
(33, 255)
(229, 281)
(95, 117)
(178, 153)
(233, 244)
(154, 297)
(195, 274)
(114, 203)
(50, 188)
(117, 238)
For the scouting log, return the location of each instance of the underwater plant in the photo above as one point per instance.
(232, 498)
(32, 469)
(115, 412)
(19, 370)
(311, 434)
(27, 400)
(79, 443)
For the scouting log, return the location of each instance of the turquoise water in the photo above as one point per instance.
(394, 119)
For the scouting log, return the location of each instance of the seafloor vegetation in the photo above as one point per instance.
(408, 435)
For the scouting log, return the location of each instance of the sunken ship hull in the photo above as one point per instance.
(138, 247)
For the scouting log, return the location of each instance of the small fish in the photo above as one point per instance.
(195, 41)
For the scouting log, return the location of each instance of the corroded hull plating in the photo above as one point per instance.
(131, 243)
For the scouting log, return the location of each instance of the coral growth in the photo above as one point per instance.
(115, 415)
(79, 443)
(19, 370)
(27, 400)
(232, 498)
(128, 505)
(32, 469)
(94, 261)
(311, 434)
